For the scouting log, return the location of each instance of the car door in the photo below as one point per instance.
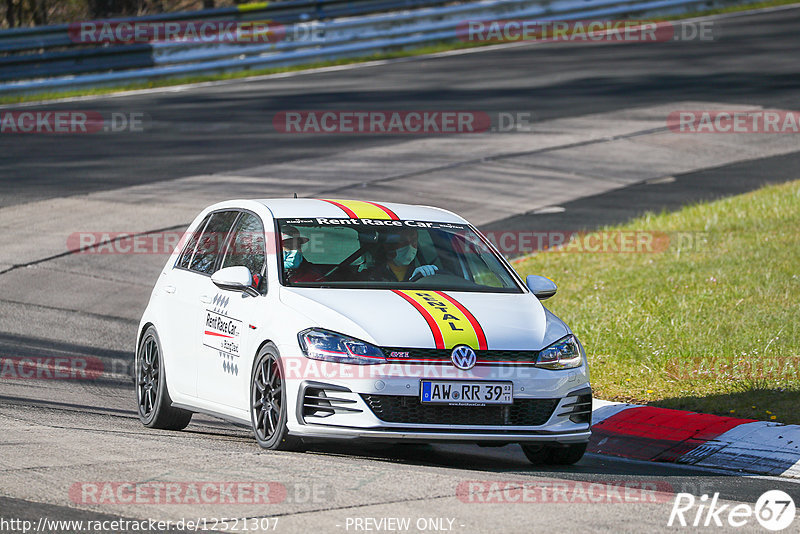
(177, 302)
(187, 283)
(227, 330)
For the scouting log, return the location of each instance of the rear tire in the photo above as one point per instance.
(554, 454)
(268, 409)
(154, 404)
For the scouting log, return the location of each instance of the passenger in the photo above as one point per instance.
(402, 261)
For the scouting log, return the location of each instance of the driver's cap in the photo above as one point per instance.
(290, 233)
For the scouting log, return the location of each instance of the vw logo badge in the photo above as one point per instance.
(463, 357)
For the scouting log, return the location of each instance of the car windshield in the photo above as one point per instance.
(390, 254)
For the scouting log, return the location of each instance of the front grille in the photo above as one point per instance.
(405, 409)
(484, 356)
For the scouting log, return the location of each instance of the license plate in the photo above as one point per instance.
(465, 393)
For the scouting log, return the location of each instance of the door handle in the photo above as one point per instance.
(169, 289)
(205, 299)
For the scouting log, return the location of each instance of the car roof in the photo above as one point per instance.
(284, 208)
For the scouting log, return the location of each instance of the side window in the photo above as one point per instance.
(247, 247)
(481, 273)
(191, 244)
(483, 266)
(211, 241)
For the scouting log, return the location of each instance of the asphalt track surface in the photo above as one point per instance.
(58, 433)
(229, 126)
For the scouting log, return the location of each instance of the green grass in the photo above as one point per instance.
(713, 328)
(430, 49)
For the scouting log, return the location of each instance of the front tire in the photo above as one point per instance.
(554, 454)
(154, 404)
(268, 409)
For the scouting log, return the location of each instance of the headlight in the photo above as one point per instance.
(332, 347)
(563, 354)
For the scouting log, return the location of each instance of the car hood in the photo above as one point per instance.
(390, 319)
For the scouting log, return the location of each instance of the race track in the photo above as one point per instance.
(599, 148)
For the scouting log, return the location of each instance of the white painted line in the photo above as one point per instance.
(549, 209)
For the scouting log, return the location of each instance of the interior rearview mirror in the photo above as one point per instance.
(237, 278)
(542, 287)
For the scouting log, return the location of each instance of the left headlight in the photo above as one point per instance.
(565, 353)
(329, 346)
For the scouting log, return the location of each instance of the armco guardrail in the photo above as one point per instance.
(74, 58)
(45, 37)
(354, 36)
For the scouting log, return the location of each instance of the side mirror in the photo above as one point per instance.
(236, 278)
(542, 287)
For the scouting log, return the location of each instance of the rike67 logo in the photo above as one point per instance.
(774, 510)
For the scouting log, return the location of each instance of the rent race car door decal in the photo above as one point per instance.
(363, 209)
(222, 332)
(450, 322)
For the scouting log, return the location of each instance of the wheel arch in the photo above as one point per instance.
(136, 350)
(258, 350)
(165, 363)
(144, 328)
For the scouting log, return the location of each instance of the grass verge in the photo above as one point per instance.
(709, 321)
(432, 49)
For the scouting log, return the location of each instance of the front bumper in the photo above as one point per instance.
(345, 409)
(423, 435)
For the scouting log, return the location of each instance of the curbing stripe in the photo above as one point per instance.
(664, 435)
(657, 434)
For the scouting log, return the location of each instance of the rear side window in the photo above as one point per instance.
(191, 245)
(211, 241)
(247, 247)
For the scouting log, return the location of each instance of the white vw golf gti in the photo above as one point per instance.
(315, 318)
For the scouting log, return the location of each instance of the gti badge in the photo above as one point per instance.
(463, 357)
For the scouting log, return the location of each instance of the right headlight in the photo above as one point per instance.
(319, 344)
(563, 354)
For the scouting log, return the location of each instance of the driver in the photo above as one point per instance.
(295, 267)
(402, 261)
